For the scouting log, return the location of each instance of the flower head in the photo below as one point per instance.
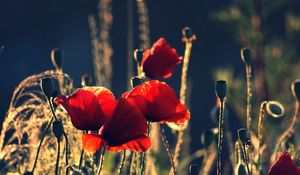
(158, 102)
(284, 165)
(126, 129)
(89, 107)
(160, 60)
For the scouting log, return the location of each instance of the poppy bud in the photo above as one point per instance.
(194, 168)
(246, 55)
(138, 55)
(47, 86)
(86, 80)
(57, 129)
(220, 89)
(296, 89)
(135, 81)
(209, 137)
(241, 169)
(57, 57)
(28, 173)
(187, 32)
(243, 135)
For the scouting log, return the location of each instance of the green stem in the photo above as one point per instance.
(101, 160)
(144, 153)
(122, 162)
(40, 144)
(132, 163)
(80, 159)
(57, 157)
(67, 152)
(51, 108)
(220, 137)
(167, 146)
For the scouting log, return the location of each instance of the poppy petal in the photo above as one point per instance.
(284, 165)
(126, 128)
(91, 142)
(160, 60)
(159, 103)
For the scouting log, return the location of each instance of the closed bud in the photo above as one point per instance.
(47, 86)
(221, 89)
(28, 173)
(296, 89)
(243, 135)
(275, 109)
(138, 55)
(57, 57)
(194, 168)
(187, 32)
(246, 55)
(135, 81)
(57, 129)
(86, 80)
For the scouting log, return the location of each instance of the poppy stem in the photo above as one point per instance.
(101, 160)
(132, 163)
(80, 159)
(249, 95)
(122, 162)
(67, 151)
(260, 131)
(51, 108)
(144, 153)
(57, 158)
(167, 146)
(40, 144)
(220, 137)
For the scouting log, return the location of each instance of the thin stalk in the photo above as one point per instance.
(246, 158)
(51, 108)
(220, 138)
(260, 131)
(40, 144)
(80, 159)
(101, 160)
(67, 152)
(289, 130)
(183, 87)
(57, 158)
(167, 146)
(144, 153)
(132, 163)
(249, 96)
(122, 162)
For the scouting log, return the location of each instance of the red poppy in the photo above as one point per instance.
(284, 166)
(158, 102)
(160, 60)
(126, 129)
(89, 107)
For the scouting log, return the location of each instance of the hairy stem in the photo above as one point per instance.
(57, 158)
(260, 131)
(122, 162)
(167, 146)
(220, 138)
(101, 160)
(80, 159)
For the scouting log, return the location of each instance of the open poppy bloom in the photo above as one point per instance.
(158, 102)
(88, 107)
(160, 60)
(126, 129)
(284, 166)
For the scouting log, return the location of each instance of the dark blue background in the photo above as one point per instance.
(30, 29)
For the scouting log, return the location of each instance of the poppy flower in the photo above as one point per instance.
(160, 60)
(158, 102)
(284, 166)
(126, 129)
(88, 107)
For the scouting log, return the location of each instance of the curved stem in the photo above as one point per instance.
(220, 138)
(101, 161)
(40, 144)
(122, 162)
(167, 146)
(57, 157)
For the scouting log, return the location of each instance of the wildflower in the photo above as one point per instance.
(158, 102)
(160, 60)
(126, 129)
(89, 107)
(284, 165)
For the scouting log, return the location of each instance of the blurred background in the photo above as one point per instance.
(30, 29)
